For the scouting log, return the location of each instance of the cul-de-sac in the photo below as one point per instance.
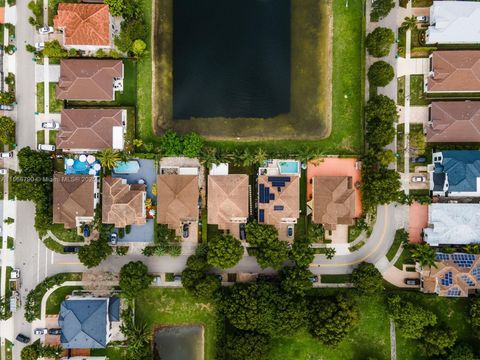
(239, 179)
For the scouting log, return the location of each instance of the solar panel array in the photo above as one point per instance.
(447, 279)
(463, 260)
(454, 292)
(467, 280)
(476, 272)
(442, 256)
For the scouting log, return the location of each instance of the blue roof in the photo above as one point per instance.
(114, 309)
(462, 168)
(83, 323)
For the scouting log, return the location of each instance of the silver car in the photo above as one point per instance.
(46, 147)
(50, 125)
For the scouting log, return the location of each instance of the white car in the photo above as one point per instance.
(418, 179)
(46, 30)
(50, 125)
(39, 45)
(422, 19)
(46, 147)
(40, 331)
(6, 154)
(3, 171)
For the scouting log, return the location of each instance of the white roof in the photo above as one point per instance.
(456, 224)
(454, 22)
(220, 169)
(187, 171)
(117, 138)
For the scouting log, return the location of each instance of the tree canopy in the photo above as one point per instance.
(224, 251)
(379, 42)
(367, 278)
(380, 9)
(380, 73)
(269, 251)
(437, 341)
(134, 278)
(7, 130)
(93, 254)
(197, 282)
(331, 320)
(296, 280)
(247, 345)
(302, 254)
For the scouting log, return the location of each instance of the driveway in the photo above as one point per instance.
(139, 233)
(418, 220)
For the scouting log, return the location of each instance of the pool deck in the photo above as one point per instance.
(147, 172)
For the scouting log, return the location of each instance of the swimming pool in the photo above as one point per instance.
(288, 167)
(81, 167)
(129, 167)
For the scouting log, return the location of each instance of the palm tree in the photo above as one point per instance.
(260, 156)
(425, 255)
(247, 158)
(409, 23)
(109, 158)
(208, 156)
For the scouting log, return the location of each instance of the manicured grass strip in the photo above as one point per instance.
(10, 242)
(401, 90)
(400, 147)
(422, 3)
(353, 233)
(52, 137)
(54, 104)
(357, 246)
(8, 350)
(56, 298)
(40, 137)
(336, 279)
(40, 97)
(405, 258)
(395, 245)
(175, 306)
(1, 187)
(417, 94)
(66, 235)
(53, 245)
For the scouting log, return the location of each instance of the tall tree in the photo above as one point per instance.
(93, 254)
(409, 23)
(367, 279)
(134, 277)
(424, 254)
(436, 341)
(379, 42)
(296, 280)
(380, 73)
(269, 251)
(247, 345)
(380, 9)
(224, 251)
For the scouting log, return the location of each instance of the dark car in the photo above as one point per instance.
(412, 281)
(313, 279)
(290, 230)
(71, 249)
(55, 331)
(186, 230)
(86, 231)
(243, 234)
(420, 160)
(22, 338)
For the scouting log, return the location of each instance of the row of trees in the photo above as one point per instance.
(380, 9)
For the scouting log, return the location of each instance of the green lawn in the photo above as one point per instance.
(175, 306)
(400, 146)
(112, 353)
(40, 137)
(353, 233)
(10, 242)
(404, 259)
(8, 350)
(53, 245)
(417, 93)
(395, 246)
(54, 104)
(56, 298)
(63, 234)
(52, 137)
(422, 3)
(401, 90)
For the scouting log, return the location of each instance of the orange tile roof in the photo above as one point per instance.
(84, 24)
(2, 15)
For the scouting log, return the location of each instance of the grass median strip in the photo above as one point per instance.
(53, 245)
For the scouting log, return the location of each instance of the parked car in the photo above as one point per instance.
(86, 231)
(418, 179)
(50, 125)
(40, 331)
(419, 160)
(290, 230)
(71, 249)
(22, 338)
(15, 274)
(3, 171)
(6, 154)
(57, 331)
(177, 278)
(46, 30)
(46, 147)
(422, 19)
(412, 281)
(186, 230)
(39, 45)
(113, 238)
(313, 279)
(6, 107)
(243, 234)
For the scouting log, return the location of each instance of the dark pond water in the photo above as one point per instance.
(231, 58)
(179, 343)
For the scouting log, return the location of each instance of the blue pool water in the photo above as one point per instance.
(129, 167)
(79, 168)
(288, 167)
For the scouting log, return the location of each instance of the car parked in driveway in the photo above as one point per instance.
(113, 238)
(86, 231)
(420, 160)
(6, 154)
(40, 331)
(57, 331)
(6, 107)
(23, 338)
(46, 30)
(412, 281)
(50, 125)
(243, 234)
(290, 230)
(71, 249)
(418, 179)
(422, 19)
(46, 147)
(186, 231)
(3, 171)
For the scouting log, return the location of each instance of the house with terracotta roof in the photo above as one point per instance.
(177, 204)
(454, 22)
(454, 121)
(92, 130)
(279, 203)
(454, 71)
(84, 26)
(228, 202)
(74, 199)
(89, 79)
(333, 201)
(455, 173)
(123, 204)
(455, 275)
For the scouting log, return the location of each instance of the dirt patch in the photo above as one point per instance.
(311, 81)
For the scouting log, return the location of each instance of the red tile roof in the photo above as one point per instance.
(84, 24)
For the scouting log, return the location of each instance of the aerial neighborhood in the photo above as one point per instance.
(240, 180)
